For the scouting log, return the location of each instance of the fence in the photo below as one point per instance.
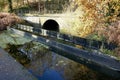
(45, 8)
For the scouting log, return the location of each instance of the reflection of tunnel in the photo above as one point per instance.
(51, 25)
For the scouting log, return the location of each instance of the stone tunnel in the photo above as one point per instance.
(58, 22)
(51, 24)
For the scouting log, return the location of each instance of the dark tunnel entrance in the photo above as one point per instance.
(51, 25)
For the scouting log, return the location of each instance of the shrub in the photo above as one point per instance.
(7, 20)
(112, 34)
(96, 14)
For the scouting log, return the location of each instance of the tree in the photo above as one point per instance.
(10, 6)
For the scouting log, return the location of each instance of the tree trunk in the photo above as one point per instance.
(39, 6)
(28, 3)
(10, 6)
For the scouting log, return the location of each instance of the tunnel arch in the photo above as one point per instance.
(51, 24)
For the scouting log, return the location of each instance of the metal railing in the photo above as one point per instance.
(95, 60)
(88, 43)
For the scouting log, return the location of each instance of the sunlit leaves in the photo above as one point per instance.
(98, 13)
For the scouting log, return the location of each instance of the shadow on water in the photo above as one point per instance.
(47, 65)
(13, 51)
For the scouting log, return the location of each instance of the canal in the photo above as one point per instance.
(43, 63)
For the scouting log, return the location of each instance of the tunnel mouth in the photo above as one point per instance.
(51, 24)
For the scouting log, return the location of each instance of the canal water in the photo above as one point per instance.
(43, 63)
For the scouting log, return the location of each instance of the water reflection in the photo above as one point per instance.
(49, 74)
(47, 65)
(43, 63)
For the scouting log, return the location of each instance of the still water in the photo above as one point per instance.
(47, 65)
(43, 63)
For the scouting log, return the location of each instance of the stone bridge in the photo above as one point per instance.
(62, 20)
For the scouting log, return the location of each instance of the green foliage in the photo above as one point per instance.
(3, 4)
(10, 6)
(109, 52)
